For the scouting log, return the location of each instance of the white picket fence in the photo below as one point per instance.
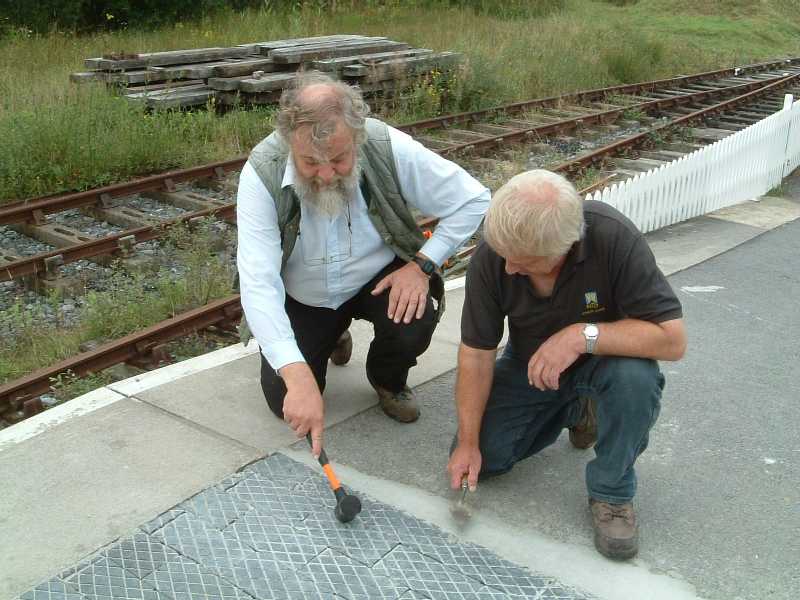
(740, 167)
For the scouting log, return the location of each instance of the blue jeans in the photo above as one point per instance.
(521, 420)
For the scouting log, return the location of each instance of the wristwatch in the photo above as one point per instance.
(590, 333)
(427, 265)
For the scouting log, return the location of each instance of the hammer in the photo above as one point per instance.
(347, 505)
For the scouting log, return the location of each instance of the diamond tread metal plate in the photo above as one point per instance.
(265, 575)
(352, 579)
(289, 546)
(275, 498)
(55, 589)
(269, 580)
(103, 580)
(161, 520)
(268, 532)
(194, 538)
(183, 579)
(139, 554)
(432, 578)
(472, 560)
(216, 506)
(278, 467)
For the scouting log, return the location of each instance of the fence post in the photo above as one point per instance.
(787, 110)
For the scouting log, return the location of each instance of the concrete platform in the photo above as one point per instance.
(718, 497)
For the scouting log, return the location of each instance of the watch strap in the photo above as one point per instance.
(428, 266)
(591, 340)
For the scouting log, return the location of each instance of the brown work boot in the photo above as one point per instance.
(343, 350)
(401, 406)
(616, 534)
(584, 434)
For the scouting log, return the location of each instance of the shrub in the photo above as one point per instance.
(90, 15)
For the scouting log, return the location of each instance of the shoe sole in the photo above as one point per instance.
(397, 418)
(616, 550)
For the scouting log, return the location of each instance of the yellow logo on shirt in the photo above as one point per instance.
(592, 303)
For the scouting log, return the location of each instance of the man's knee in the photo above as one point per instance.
(414, 337)
(633, 385)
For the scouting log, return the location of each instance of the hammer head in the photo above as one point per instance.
(347, 506)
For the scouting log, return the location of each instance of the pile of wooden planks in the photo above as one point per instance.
(257, 73)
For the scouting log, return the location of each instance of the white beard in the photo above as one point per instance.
(332, 199)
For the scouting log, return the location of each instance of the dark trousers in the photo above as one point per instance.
(521, 420)
(393, 351)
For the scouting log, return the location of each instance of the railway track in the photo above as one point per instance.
(611, 133)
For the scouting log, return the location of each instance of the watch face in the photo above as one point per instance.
(427, 266)
(591, 331)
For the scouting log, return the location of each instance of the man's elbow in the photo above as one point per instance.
(676, 340)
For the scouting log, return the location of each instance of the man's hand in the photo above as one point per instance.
(465, 460)
(409, 292)
(302, 406)
(554, 356)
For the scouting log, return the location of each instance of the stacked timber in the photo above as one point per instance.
(257, 73)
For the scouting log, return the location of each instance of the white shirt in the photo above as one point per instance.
(333, 258)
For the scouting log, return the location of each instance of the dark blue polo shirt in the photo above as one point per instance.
(609, 275)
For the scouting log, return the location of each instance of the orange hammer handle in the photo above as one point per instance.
(333, 481)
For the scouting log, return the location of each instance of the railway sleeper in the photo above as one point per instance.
(709, 134)
(463, 135)
(640, 165)
(492, 130)
(604, 106)
(125, 216)
(191, 201)
(679, 146)
(54, 234)
(661, 155)
(150, 356)
(727, 124)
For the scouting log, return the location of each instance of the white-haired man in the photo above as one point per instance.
(326, 235)
(589, 314)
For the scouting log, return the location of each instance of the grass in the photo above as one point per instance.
(130, 302)
(59, 136)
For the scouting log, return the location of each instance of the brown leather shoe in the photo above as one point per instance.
(344, 349)
(616, 534)
(584, 434)
(401, 406)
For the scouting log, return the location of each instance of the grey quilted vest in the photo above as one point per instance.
(387, 208)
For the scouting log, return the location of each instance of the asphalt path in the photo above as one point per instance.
(719, 487)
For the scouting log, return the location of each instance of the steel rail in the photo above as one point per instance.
(601, 117)
(111, 244)
(614, 147)
(118, 242)
(33, 210)
(446, 121)
(14, 394)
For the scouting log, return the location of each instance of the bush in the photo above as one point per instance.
(507, 9)
(635, 60)
(91, 15)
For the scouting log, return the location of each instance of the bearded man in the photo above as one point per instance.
(326, 235)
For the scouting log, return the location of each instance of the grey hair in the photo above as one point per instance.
(323, 112)
(536, 213)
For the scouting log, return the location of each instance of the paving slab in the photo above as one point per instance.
(691, 242)
(163, 450)
(382, 553)
(94, 478)
(719, 500)
(238, 410)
